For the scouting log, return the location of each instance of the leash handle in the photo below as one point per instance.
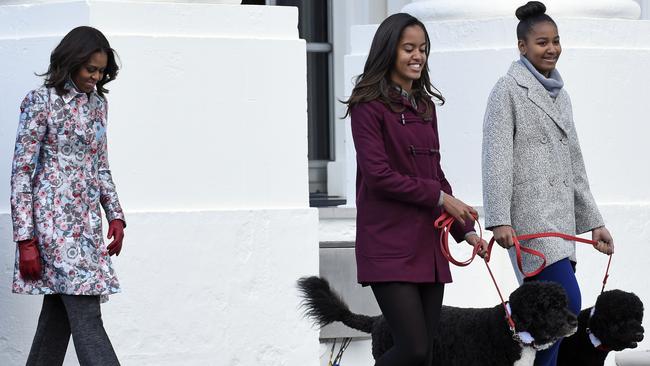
(518, 249)
(444, 223)
(566, 237)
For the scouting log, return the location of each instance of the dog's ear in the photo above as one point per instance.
(614, 305)
(617, 319)
(539, 295)
(537, 304)
(618, 304)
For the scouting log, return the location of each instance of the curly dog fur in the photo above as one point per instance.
(466, 336)
(616, 323)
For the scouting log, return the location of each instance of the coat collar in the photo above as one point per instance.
(73, 92)
(537, 94)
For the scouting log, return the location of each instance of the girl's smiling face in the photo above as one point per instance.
(411, 57)
(542, 47)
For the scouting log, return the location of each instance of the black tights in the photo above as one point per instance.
(412, 312)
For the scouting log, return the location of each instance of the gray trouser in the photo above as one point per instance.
(62, 315)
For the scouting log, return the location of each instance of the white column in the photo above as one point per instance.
(27, 2)
(428, 10)
(208, 148)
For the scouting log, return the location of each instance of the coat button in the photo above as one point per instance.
(564, 140)
(566, 182)
(543, 140)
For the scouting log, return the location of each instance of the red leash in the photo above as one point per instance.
(566, 237)
(444, 223)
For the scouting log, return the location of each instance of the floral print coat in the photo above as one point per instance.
(59, 179)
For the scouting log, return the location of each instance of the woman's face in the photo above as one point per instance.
(542, 47)
(411, 57)
(90, 73)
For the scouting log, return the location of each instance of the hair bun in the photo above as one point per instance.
(531, 9)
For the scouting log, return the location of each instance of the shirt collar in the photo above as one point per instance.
(406, 96)
(73, 91)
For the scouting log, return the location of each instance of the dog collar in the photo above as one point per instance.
(597, 343)
(524, 338)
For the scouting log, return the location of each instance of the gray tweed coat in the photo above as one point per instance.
(534, 176)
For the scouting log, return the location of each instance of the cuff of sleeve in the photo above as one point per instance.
(470, 233)
(24, 232)
(441, 200)
(112, 215)
(490, 225)
(587, 226)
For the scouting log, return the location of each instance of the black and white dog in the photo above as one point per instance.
(466, 336)
(613, 324)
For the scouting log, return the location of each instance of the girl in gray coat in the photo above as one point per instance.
(534, 177)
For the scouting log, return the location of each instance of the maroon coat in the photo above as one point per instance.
(399, 180)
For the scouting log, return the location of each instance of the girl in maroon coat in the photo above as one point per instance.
(401, 189)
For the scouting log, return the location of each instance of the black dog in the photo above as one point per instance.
(466, 336)
(615, 324)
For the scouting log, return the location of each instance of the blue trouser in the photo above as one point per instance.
(561, 272)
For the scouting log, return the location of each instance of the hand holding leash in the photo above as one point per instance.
(605, 242)
(474, 240)
(504, 236)
(458, 209)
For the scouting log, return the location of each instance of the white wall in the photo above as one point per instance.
(346, 14)
(208, 148)
(644, 4)
(603, 65)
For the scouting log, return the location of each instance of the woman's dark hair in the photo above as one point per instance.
(73, 52)
(530, 14)
(375, 83)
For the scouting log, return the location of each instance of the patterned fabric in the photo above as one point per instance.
(534, 177)
(59, 179)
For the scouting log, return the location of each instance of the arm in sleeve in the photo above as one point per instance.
(497, 156)
(587, 214)
(32, 128)
(107, 192)
(373, 163)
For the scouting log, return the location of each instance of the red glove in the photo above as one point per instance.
(116, 230)
(29, 260)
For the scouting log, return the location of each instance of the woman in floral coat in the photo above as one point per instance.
(60, 178)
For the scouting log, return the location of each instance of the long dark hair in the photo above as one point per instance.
(375, 82)
(73, 52)
(530, 14)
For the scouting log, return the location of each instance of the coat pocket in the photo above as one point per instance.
(424, 160)
(389, 229)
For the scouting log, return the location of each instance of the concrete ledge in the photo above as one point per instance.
(149, 18)
(633, 358)
(481, 34)
(330, 213)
